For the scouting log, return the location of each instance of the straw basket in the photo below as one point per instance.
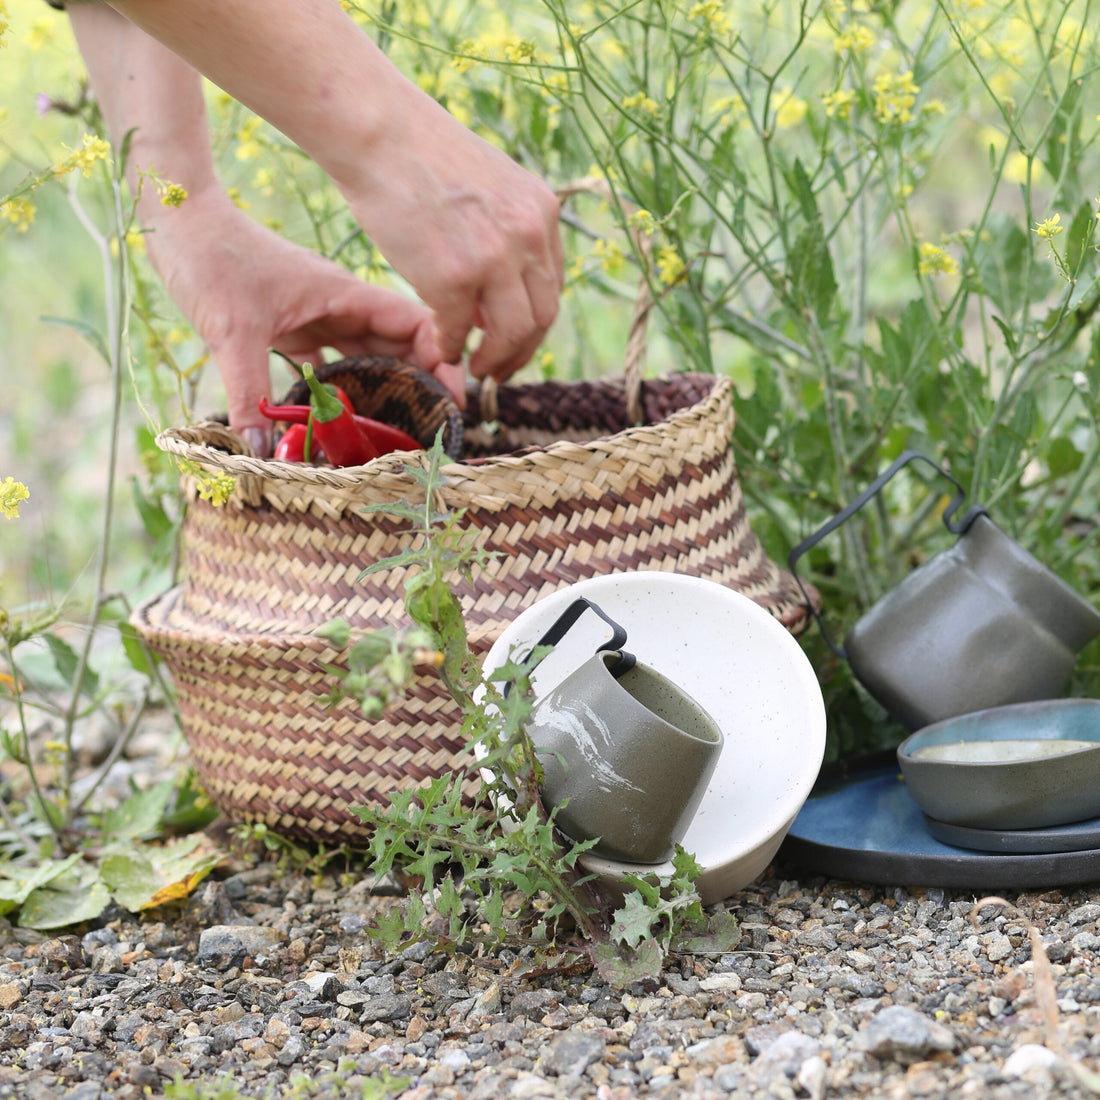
(565, 480)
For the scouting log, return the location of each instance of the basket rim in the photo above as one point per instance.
(205, 442)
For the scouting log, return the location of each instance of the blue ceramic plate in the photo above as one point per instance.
(869, 829)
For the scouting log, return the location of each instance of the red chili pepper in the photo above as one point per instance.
(292, 445)
(334, 426)
(385, 437)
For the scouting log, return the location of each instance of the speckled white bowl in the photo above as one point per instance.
(739, 664)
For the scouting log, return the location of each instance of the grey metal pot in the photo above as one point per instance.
(982, 624)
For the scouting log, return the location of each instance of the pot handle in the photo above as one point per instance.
(562, 624)
(956, 527)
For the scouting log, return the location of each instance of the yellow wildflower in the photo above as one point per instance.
(238, 199)
(854, 40)
(40, 34)
(172, 194)
(1018, 169)
(838, 104)
(12, 493)
(713, 15)
(470, 51)
(519, 50)
(264, 181)
(732, 110)
(895, 96)
(610, 254)
(135, 242)
(1049, 228)
(670, 267)
(791, 110)
(935, 261)
(644, 222)
(5, 22)
(93, 150)
(19, 212)
(640, 101)
(248, 144)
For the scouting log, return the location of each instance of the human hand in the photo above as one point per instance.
(474, 233)
(245, 289)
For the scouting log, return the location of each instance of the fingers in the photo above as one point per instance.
(242, 364)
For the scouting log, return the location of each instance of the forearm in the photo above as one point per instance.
(144, 89)
(303, 65)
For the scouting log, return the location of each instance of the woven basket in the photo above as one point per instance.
(565, 480)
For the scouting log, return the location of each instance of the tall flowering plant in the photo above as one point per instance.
(878, 219)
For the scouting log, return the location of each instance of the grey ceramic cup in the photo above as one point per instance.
(625, 759)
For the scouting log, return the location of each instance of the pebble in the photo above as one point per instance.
(261, 981)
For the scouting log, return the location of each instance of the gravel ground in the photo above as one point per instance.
(264, 984)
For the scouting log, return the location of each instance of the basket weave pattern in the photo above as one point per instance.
(559, 483)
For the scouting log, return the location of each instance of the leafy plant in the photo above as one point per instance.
(494, 862)
(63, 857)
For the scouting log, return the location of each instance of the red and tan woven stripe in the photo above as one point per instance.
(587, 494)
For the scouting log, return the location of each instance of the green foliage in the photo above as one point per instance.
(494, 867)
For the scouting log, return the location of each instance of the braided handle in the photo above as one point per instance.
(634, 357)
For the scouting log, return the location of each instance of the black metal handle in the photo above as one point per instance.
(564, 622)
(956, 527)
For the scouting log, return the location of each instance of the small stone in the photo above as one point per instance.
(786, 1055)
(719, 1051)
(572, 1052)
(902, 1034)
(487, 1002)
(10, 996)
(721, 983)
(230, 943)
(1030, 1057)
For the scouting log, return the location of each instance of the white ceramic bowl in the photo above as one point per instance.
(741, 665)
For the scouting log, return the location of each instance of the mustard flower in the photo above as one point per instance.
(18, 212)
(670, 268)
(93, 150)
(519, 50)
(172, 194)
(712, 15)
(854, 40)
(838, 104)
(640, 101)
(1049, 228)
(12, 494)
(791, 111)
(935, 261)
(5, 21)
(39, 36)
(895, 96)
(610, 254)
(248, 144)
(732, 110)
(645, 223)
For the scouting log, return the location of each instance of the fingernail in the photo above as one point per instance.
(258, 439)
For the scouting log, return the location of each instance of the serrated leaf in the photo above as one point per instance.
(715, 934)
(621, 966)
(633, 922)
(810, 267)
